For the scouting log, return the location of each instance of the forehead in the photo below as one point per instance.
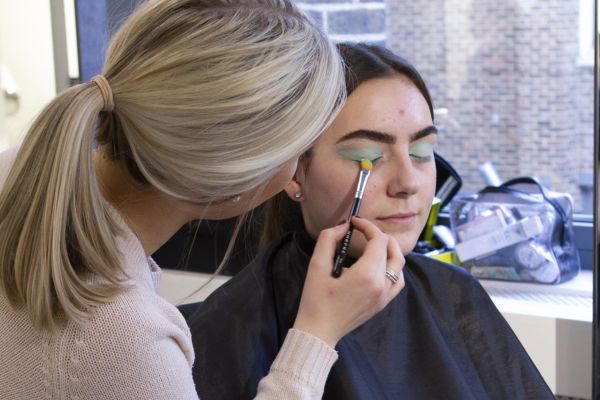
(392, 105)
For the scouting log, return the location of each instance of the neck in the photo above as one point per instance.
(152, 216)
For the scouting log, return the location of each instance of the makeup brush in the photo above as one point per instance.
(363, 176)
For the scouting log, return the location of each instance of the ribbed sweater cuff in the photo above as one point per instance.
(306, 357)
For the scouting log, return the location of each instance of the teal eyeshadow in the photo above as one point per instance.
(421, 149)
(370, 153)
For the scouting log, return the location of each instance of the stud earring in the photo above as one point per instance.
(236, 199)
(297, 195)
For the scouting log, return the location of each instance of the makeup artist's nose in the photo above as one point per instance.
(403, 180)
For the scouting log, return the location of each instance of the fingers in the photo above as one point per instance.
(395, 258)
(367, 228)
(395, 264)
(330, 308)
(381, 252)
(376, 248)
(327, 243)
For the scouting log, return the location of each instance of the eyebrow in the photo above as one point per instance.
(386, 138)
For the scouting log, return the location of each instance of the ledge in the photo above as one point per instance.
(572, 300)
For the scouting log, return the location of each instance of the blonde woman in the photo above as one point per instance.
(202, 110)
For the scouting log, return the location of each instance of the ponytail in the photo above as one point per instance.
(212, 98)
(54, 226)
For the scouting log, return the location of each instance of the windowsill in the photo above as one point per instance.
(554, 324)
(572, 300)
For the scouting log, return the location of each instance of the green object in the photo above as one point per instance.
(432, 220)
(448, 257)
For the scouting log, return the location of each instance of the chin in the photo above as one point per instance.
(406, 246)
(407, 242)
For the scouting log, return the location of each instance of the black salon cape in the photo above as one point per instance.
(440, 338)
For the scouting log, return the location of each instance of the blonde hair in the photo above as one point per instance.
(211, 98)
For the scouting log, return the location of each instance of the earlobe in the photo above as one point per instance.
(294, 190)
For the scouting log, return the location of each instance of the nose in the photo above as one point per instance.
(403, 180)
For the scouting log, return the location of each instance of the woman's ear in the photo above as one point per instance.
(294, 188)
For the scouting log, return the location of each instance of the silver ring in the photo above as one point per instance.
(391, 276)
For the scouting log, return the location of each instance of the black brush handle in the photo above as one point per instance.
(343, 251)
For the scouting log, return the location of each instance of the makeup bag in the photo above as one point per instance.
(518, 231)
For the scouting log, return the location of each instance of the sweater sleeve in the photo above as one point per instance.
(300, 370)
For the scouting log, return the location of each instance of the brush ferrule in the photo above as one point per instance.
(362, 183)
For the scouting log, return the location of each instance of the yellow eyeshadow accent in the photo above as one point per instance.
(366, 164)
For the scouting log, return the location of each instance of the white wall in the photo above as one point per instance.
(26, 51)
(2, 110)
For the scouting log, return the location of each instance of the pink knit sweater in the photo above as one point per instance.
(137, 347)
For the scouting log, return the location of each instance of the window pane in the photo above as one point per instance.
(509, 79)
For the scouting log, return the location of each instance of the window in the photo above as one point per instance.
(586, 33)
(508, 77)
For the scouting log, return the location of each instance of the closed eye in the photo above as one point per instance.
(421, 152)
(372, 154)
(375, 160)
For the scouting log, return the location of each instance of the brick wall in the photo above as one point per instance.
(508, 74)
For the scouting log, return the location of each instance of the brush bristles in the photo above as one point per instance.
(366, 164)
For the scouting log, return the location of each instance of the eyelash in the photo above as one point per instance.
(415, 157)
(373, 161)
(421, 159)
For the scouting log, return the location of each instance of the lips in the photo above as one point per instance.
(399, 218)
(399, 215)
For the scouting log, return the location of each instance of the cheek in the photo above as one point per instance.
(373, 192)
(426, 191)
(328, 197)
(429, 182)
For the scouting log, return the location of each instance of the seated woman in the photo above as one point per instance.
(441, 337)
